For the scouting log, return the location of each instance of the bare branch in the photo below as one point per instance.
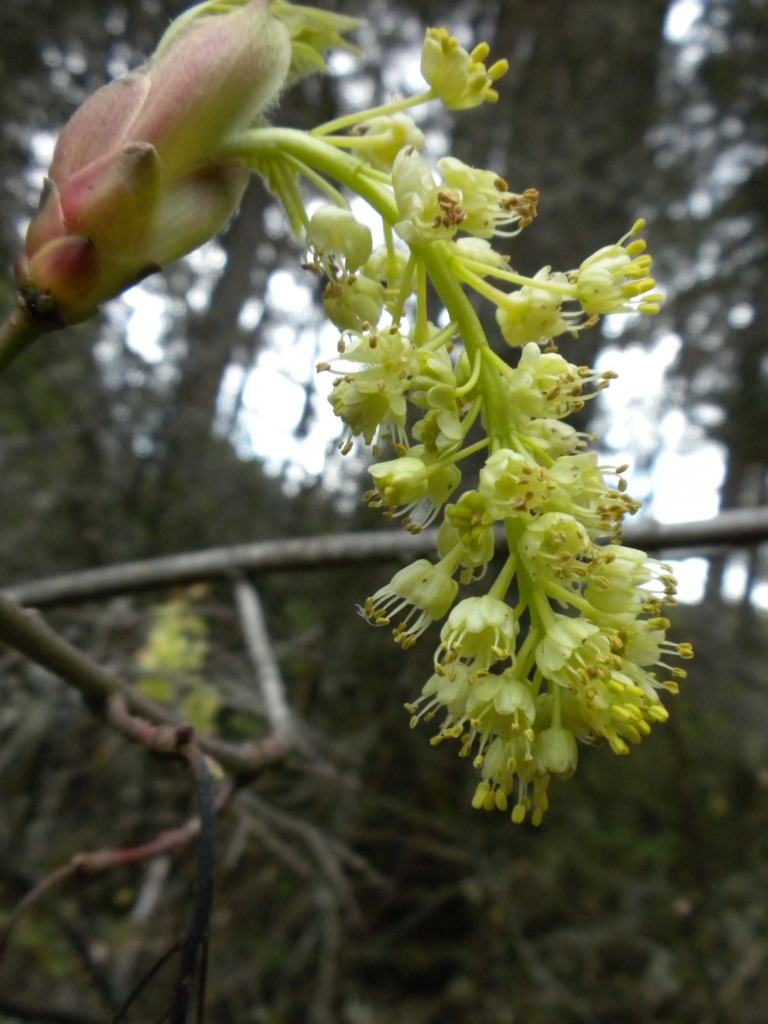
(39, 1015)
(278, 847)
(104, 860)
(221, 563)
(154, 970)
(327, 969)
(317, 842)
(733, 528)
(196, 936)
(262, 656)
(183, 745)
(26, 631)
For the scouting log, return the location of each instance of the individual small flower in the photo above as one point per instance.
(556, 546)
(421, 511)
(615, 279)
(441, 430)
(435, 370)
(544, 384)
(533, 314)
(483, 198)
(472, 522)
(511, 484)
(428, 212)
(426, 590)
(503, 760)
(137, 177)
(479, 250)
(366, 407)
(449, 689)
(604, 694)
(458, 78)
(564, 635)
(353, 301)
(579, 488)
(481, 629)
(385, 136)
(387, 347)
(338, 239)
(313, 32)
(553, 437)
(644, 644)
(620, 582)
(555, 752)
(376, 371)
(441, 484)
(400, 481)
(507, 695)
(387, 267)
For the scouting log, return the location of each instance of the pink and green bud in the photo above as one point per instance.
(138, 176)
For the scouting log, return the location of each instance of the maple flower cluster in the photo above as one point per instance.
(568, 643)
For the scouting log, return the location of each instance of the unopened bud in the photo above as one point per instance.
(137, 177)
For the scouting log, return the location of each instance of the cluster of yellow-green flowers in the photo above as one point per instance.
(568, 643)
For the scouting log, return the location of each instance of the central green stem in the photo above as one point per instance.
(263, 145)
(260, 146)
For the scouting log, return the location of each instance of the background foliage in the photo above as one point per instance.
(357, 884)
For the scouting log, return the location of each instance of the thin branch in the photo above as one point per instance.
(27, 632)
(17, 333)
(100, 977)
(34, 896)
(734, 528)
(148, 897)
(328, 954)
(278, 847)
(179, 742)
(81, 947)
(221, 563)
(315, 840)
(154, 970)
(268, 675)
(197, 933)
(203, 978)
(105, 860)
(40, 1015)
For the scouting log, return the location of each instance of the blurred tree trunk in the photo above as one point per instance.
(213, 338)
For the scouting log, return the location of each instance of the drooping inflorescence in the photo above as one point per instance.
(568, 642)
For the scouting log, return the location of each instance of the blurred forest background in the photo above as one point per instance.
(355, 882)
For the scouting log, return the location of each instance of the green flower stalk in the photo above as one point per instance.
(569, 643)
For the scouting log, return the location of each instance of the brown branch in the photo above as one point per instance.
(196, 937)
(40, 1015)
(177, 742)
(27, 632)
(317, 842)
(222, 563)
(267, 671)
(153, 971)
(17, 333)
(105, 860)
(734, 528)
(284, 852)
